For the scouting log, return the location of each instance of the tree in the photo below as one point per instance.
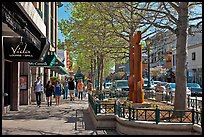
(176, 17)
(108, 24)
(89, 35)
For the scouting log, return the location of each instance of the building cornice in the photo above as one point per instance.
(31, 13)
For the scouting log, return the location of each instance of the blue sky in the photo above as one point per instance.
(62, 14)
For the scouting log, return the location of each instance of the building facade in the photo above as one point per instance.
(29, 34)
(24, 40)
(194, 59)
(164, 54)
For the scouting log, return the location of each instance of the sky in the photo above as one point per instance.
(67, 14)
(62, 14)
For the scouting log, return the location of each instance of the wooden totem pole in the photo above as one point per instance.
(135, 80)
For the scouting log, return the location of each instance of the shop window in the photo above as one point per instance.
(193, 56)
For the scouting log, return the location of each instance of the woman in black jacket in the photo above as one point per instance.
(71, 86)
(49, 91)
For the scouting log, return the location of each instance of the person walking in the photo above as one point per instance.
(76, 91)
(71, 87)
(89, 87)
(80, 88)
(66, 90)
(58, 92)
(54, 84)
(48, 92)
(38, 89)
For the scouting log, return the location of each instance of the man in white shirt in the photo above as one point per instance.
(38, 89)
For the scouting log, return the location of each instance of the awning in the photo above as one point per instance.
(18, 48)
(49, 62)
(78, 74)
(59, 69)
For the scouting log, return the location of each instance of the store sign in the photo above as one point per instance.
(39, 64)
(20, 50)
(17, 48)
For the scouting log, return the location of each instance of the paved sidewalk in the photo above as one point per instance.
(54, 120)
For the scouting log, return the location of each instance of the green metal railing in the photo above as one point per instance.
(146, 114)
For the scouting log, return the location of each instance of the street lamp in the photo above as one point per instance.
(148, 44)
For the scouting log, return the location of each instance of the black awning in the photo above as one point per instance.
(17, 48)
(45, 45)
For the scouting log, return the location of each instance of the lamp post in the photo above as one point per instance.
(148, 43)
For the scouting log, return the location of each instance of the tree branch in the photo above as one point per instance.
(169, 14)
(176, 7)
(195, 18)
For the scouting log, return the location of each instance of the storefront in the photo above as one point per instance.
(23, 41)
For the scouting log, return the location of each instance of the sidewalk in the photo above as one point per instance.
(54, 120)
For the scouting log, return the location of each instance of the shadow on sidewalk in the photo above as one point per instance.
(44, 112)
(84, 117)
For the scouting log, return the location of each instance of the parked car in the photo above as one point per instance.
(146, 83)
(120, 87)
(195, 85)
(107, 85)
(171, 87)
(155, 83)
(195, 88)
(196, 92)
(160, 87)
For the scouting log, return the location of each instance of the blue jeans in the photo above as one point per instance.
(80, 94)
(84, 93)
(65, 92)
(76, 93)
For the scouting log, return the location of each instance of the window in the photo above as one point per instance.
(193, 56)
(174, 64)
(45, 13)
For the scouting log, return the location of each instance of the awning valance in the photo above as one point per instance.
(79, 74)
(49, 62)
(18, 48)
(59, 69)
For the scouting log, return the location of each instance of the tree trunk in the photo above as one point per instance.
(99, 67)
(181, 55)
(101, 72)
(92, 70)
(131, 64)
(94, 76)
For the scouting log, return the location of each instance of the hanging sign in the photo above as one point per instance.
(17, 48)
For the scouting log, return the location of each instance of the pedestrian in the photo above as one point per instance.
(38, 89)
(76, 91)
(80, 88)
(89, 87)
(48, 92)
(66, 90)
(54, 84)
(58, 92)
(71, 87)
(85, 90)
